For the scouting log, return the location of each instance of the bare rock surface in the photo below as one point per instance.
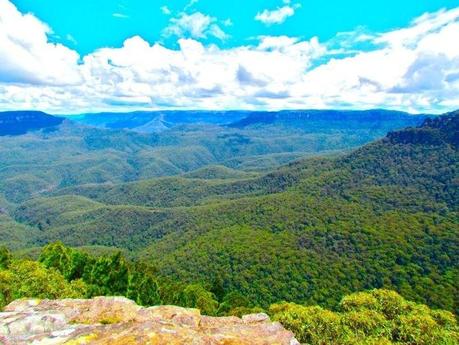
(119, 321)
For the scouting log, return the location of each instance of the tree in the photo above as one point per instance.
(374, 317)
(195, 296)
(58, 256)
(5, 258)
(142, 286)
(108, 276)
(232, 301)
(218, 288)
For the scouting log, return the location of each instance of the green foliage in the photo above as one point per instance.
(234, 303)
(113, 275)
(383, 216)
(65, 272)
(15, 235)
(195, 296)
(218, 288)
(30, 279)
(71, 263)
(108, 275)
(218, 172)
(56, 256)
(375, 317)
(5, 258)
(142, 286)
(72, 155)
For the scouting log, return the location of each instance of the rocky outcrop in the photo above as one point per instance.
(119, 321)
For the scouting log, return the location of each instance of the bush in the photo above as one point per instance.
(30, 279)
(311, 325)
(374, 317)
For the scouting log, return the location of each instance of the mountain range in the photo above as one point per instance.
(58, 153)
(384, 214)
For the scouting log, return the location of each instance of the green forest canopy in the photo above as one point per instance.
(373, 317)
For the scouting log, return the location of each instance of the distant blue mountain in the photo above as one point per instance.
(158, 121)
(314, 119)
(21, 122)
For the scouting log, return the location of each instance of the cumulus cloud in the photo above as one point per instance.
(26, 56)
(408, 70)
(277, 16)
(414, 68)
(195, 25)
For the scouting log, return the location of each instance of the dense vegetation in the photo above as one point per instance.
(70, 154)
(378, 317)
(63, 272)
(374, 317)
(384, 216)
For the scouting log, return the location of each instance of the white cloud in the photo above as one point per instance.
(408, 70)
(26, 56)
(227, 22)
(277, 16)
(422, 27)
(190, 4)
(165, 10)
(217, 32)
(120, 15)
(414, 68)
(195, 25)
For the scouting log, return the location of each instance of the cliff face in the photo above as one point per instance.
(119, 321)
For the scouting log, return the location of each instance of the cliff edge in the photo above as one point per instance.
(119, 321)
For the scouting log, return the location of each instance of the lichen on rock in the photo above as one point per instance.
(117, 320)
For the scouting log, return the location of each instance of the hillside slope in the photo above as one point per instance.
(383, 216)
(69, 154)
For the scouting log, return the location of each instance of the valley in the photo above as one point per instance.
(384, 215)
(229, 172)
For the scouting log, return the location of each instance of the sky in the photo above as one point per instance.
(117, 55)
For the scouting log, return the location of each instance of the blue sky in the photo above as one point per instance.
(87, 25)
(87, 55)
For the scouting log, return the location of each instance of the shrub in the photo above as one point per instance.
(377, 317)
(30, 279)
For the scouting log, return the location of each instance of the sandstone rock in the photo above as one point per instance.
(119, 321)
(252, 318)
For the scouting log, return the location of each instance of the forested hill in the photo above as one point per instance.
(57, 153)
(383, 216)
(422, 159)
(21, 122)
(418, 165)
(434, 131)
